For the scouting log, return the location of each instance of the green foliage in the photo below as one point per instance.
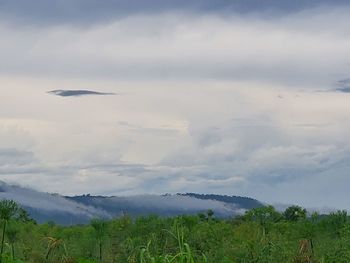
(8, 210)
(86, 261)
(183, 255)
(294, 213)
(261, 235)
(336, 222)
(263, 215)
(100, 227)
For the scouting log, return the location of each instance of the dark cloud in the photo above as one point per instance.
(344, 89)
(92, 11)
(77, 93)
(343, 86)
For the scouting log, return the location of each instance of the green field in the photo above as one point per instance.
(261, 235)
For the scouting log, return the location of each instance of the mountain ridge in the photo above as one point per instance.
(80, 209)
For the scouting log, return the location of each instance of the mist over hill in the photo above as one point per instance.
(81, 209)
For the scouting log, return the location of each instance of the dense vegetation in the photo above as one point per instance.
(261, 235)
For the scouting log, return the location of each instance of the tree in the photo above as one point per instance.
(263, 215)
(8, 209)
(12, 236)
(210, 213)
(294, 213)
(23, 216)
(100, 227)
(336, 221)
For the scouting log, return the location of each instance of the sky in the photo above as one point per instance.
(240, 97)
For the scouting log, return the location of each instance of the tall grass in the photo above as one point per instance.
(182, 255)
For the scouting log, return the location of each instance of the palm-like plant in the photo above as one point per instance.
(100, 227)
(12, 236)
(53, 244)
(8, 209)
(56, 247)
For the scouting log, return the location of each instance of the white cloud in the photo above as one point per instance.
(209, 103)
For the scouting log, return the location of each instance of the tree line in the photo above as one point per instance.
(262, 234)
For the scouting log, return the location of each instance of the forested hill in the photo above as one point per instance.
(67, 210)
(169, 205)
(242, 202)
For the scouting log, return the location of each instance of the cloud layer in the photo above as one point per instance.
(87, 12)
(249, 102)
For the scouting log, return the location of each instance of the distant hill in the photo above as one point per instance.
(81, 209)
(241, 202)
(168, 205)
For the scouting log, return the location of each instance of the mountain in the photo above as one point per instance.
(49, 207)
(241, 202)
(67, 210)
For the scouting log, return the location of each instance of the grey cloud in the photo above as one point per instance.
(26, 170)
(321, 188)
(163, 47)
(345, 82)
(262, 160)
(344, 89)
(343, 86)
(102, 175)
(42, 12)
(77, 93)
(153, 131)
(312, 125)
(237, 137)
(10, 156)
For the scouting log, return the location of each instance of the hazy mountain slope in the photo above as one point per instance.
(81, 209)
(44, 207)
(165, 205)
(241, 202)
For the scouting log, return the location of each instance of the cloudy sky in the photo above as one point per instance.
(239, 97)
